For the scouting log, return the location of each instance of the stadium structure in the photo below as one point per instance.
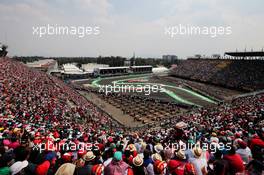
(132, 115)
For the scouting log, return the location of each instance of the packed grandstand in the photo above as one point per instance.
(47, 127)
(239, 74)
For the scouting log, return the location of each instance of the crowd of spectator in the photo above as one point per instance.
(238, 74)
(48, 128)
(214, 91)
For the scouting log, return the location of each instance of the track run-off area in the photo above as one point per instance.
(175, 93)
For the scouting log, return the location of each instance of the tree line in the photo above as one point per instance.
(112, 61)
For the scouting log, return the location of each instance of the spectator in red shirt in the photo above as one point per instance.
(258, 140)
(235, 162)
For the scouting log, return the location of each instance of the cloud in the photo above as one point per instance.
(130, 26)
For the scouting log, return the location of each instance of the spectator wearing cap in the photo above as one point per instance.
(257, 141)
(81, 153)
(43, 168)
(160, 166)
(46, 167)
(117, 166)
(130, 153)
(88, 164)
(179, 165)
(18, 167)
(214, 138)
(158, 148)
(244, 151)
(22, 165)
(67, 157)
(66, 169)
(199, 162)
(237, 137)
(138, 167)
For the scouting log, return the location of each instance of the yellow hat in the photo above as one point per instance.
(180, 154)
(137, 161)
(156, 156)
(214, 134)
(16, 129)
(197, 151)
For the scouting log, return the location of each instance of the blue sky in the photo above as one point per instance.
(129, 26)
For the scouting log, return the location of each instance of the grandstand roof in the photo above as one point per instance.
(71, 69)
(141, 66)
(160, 69)
(245, 54)
(91, 66)
(113, 68)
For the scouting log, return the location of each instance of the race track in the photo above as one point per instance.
(167, 91)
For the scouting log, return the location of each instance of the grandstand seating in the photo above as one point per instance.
(237, 74)
(37, 108)
(27, 94)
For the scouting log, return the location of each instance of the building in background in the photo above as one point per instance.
(170, 58)
(90, 67)
(71, 71)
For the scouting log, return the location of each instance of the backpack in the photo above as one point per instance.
(184, 169)
(98, 169)
(179, 170)
(159, 167)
